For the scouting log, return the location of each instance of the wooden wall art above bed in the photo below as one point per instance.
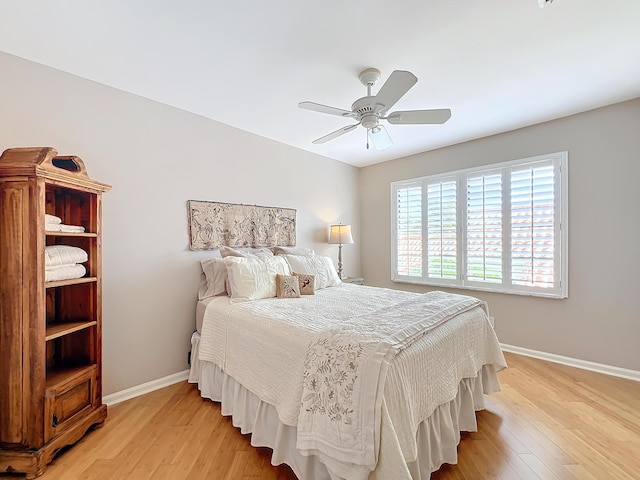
(212, 224)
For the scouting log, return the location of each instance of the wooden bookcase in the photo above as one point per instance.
(50, 332)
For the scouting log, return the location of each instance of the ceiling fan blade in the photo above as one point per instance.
(316, 107)
(420, 117)
(398, 83)
(335, 134)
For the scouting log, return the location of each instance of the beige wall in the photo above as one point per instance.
(156, 158)
(600, 321)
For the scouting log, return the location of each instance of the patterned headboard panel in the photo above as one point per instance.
(212, 224)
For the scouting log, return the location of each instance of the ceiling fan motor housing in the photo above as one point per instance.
(367, 110)
(369, 121)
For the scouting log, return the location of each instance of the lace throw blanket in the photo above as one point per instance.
(345, 370)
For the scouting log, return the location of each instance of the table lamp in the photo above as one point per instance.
(340, 235)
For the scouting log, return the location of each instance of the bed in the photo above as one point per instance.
(349, 382)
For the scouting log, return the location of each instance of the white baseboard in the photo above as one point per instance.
(575, 362)
(148, 387)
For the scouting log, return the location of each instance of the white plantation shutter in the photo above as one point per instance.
(533, 226)
(409, 230)
(484, 228)
(499, 228)
(442, 230)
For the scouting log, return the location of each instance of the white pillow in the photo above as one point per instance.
(231, 252)
(252, 278)
(214, 282)
(292, 251)
(245, 252)
(260, 252)
(318, 265)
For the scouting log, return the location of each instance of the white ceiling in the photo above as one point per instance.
(498, 64)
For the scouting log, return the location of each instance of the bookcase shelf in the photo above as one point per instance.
(64, 234)
(61, 329)
(58, 378)
(75, 281)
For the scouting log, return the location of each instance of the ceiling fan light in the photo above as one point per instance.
(379, 137)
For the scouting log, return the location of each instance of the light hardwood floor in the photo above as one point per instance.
(549, 422)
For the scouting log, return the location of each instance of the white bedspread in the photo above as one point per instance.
(345, 371)
(270, 360)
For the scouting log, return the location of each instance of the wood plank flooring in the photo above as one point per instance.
(549, 422)
(553, 422)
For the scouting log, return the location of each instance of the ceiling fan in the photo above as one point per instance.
(369, 110)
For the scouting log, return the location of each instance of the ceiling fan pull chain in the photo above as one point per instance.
(367, 134)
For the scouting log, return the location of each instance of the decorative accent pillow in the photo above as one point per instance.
(287, 286)
(307, 283)
(319, 266)
(214, 282)
(292, 251)
(252, 278)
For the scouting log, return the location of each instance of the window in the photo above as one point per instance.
(499, 228)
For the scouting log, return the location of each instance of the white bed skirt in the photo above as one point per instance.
(437, 437)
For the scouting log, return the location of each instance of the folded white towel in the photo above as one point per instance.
(49, 268)
(71, 228)
(61, 227)
(63, 255)
(64, 272)
(52, 219)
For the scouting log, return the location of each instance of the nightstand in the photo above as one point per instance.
(353, 280)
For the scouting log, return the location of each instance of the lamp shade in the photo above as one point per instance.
(380, 137)
(340, 234)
